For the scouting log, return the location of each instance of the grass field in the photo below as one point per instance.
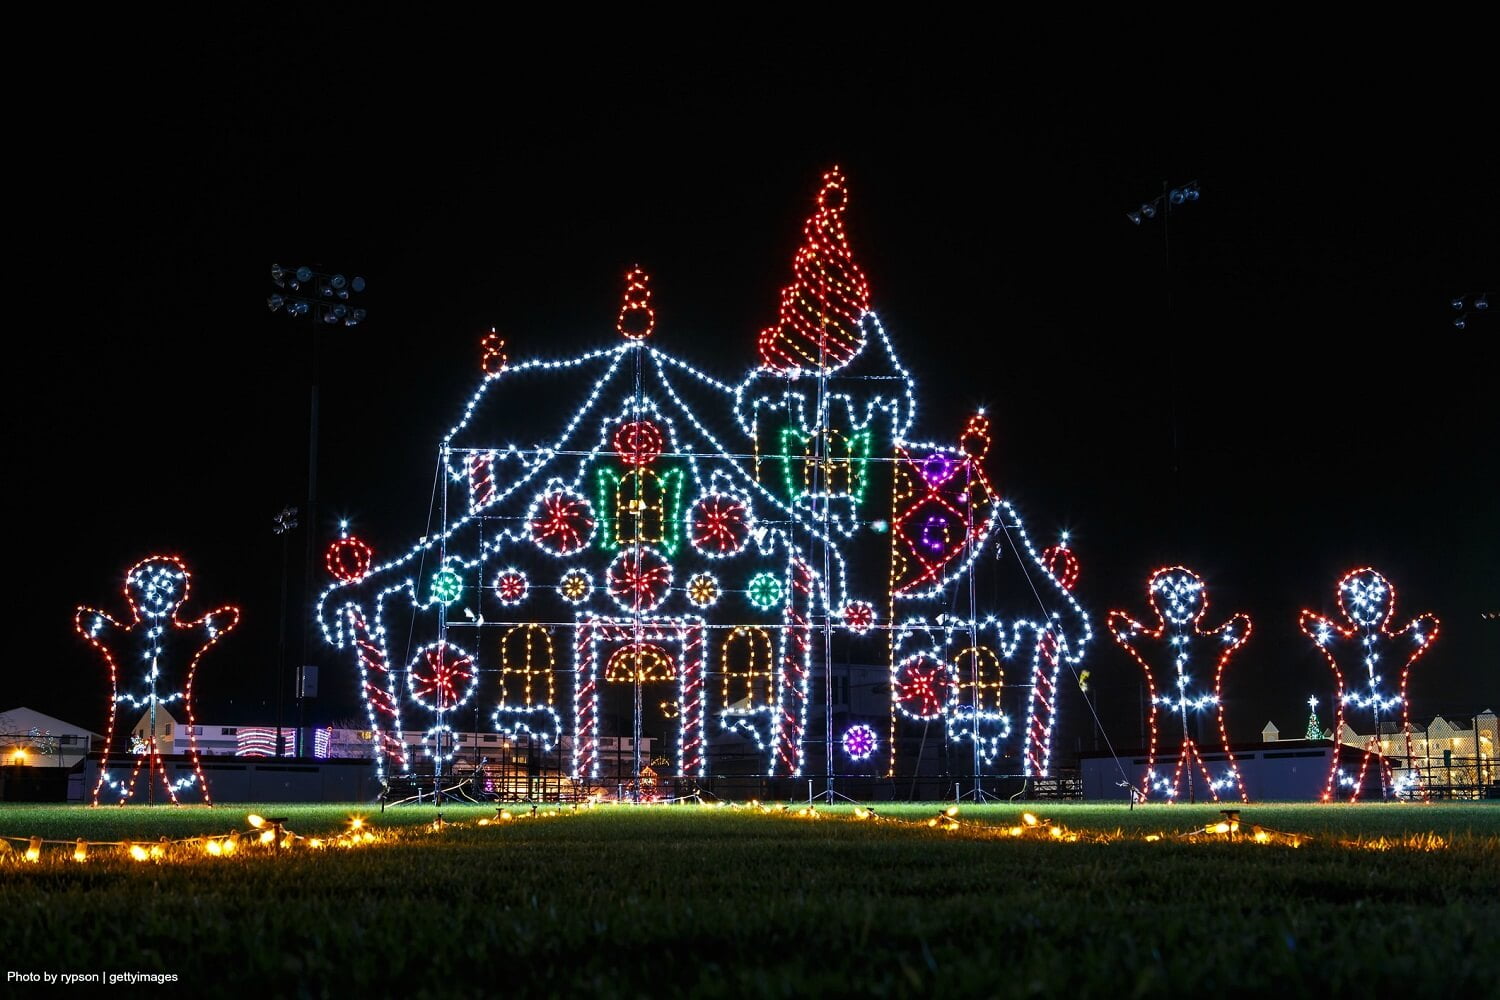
(622, 901)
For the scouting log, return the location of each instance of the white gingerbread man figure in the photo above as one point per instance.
(1178, 597)
(1367, 602)
(155, 590)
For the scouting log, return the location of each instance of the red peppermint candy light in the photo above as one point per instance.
(562, 522)
(441, 676)
(638, 442)
(859, 616)
(639, 579)
(721, 525)
(923, 685)
(510, 586)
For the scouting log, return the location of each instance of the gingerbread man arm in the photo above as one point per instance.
(1324, 632)
(1125, 630)
(1320, 629)
(217, 623)
(1235, 631)
(211, 627)
(98, 629)
(1423, 629)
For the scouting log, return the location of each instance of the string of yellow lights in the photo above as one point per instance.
(270, 837)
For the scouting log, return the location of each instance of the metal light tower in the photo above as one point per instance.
(1161, 207)
(326, 299)
(282, 524)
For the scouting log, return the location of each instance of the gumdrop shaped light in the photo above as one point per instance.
(348, 558)
(637, 319)
(492, 357)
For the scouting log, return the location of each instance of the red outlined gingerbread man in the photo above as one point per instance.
(1179, 599)
(155, 590)
(1367, 602)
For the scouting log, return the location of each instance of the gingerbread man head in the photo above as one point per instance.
(157, 587)
(1366, 598)
(1176, 595)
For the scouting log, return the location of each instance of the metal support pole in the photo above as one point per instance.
(311, 532)
(281, 636)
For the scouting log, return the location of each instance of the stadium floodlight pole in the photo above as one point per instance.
(326, 300)
(1161, 207)
(282, 524)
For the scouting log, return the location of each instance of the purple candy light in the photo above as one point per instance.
(859, 741)
(938, 468)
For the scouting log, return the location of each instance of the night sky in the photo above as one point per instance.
(1299, 349)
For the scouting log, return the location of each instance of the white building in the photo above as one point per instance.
(32, 738)
(1453, 757)
(175, 737)
(1458, 753)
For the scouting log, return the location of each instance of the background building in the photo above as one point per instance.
(31, 738)
(1453, 758)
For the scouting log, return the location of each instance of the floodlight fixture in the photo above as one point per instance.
(329, 305)
(1171, 197)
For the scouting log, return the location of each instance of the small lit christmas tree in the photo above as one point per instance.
(1314, 727)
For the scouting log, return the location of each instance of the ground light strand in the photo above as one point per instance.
(1033, 827)
(273, 834)
(271, 837)
(1230, 828)
(260, 832)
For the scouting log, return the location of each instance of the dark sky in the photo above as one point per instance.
(1325, 411)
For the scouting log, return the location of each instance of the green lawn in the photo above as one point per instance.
(664, 900)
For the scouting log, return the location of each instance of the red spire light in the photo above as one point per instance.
(492, 357)
(637, 318)
(818, 327)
